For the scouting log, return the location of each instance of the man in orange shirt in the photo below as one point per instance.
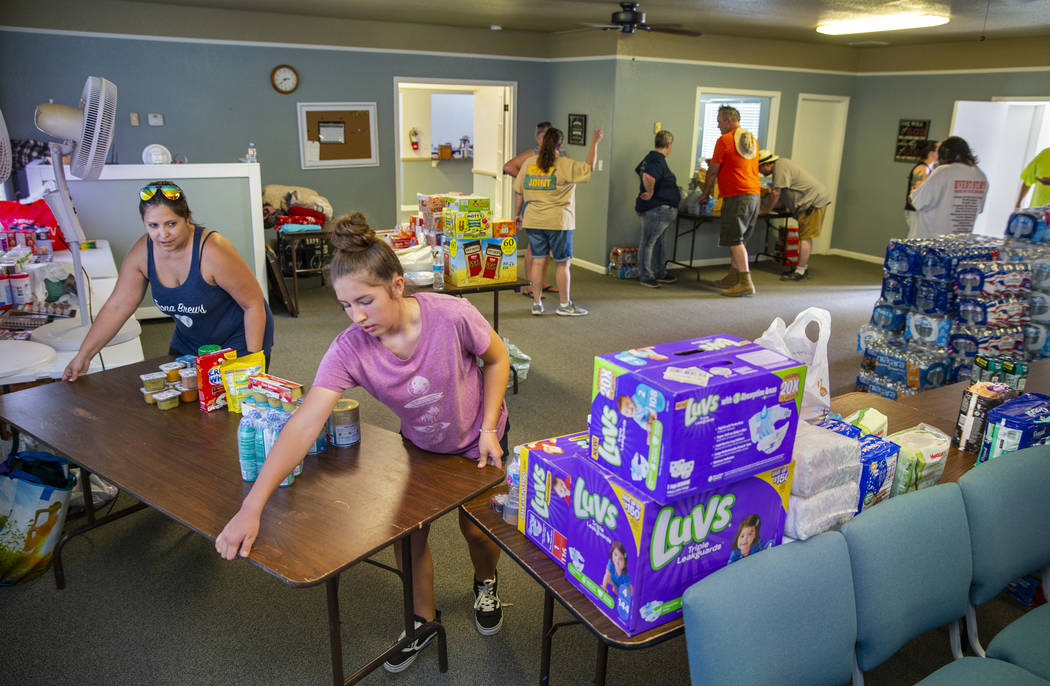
(735, 165)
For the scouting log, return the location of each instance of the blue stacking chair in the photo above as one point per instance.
(783, 616)
(1008, 507)
(911, 565)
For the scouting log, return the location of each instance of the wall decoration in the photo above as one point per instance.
(911, 134)
(577, 133)
(337, 134)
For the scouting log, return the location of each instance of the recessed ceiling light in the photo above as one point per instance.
(887, 22)
(495, 27)
(868, 43)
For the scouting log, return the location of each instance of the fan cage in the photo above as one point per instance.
(99, 102)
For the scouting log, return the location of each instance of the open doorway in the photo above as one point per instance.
(1005, 135)
(453, 135)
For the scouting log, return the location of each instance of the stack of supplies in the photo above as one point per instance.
(826, 482)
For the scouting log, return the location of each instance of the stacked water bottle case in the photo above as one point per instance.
(948, 299)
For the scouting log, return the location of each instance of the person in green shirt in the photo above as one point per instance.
(1036, 176)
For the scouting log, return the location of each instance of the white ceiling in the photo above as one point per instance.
(792, 20)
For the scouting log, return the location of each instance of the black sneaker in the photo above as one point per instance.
(668, 279)
(407, 656)
(649, 284)
(488, 614)
(795, 276)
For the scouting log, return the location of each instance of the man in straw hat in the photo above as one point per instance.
(798, 192)
(735, 165)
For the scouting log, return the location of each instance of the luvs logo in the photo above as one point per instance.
(695, 409)
(540, 491)
(608, 449)
(591, 505)
(670, 533)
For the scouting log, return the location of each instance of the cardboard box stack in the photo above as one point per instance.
(686, 468)
(477, 248)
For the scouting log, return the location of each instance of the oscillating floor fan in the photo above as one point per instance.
(86, 133)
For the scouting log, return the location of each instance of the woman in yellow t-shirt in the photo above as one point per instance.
(547, 182)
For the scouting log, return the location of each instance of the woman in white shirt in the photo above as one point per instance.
(953, 195)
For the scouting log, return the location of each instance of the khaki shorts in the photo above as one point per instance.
(809, 224)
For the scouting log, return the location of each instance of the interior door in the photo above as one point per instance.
(820, 134)
(983, 125)
(489, 147)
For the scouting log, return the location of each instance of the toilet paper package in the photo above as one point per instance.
(715, 410)
(977, 401)
(920, 463)
(544, 490)
(1015, 425)
(824, 460)
(809, 516)
(878, 459)
(633, 557)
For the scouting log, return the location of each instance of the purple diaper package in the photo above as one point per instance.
(694, 414)
(634, 557)
(545, 508)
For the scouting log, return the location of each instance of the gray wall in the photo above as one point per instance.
(216, 97)
(427, 177)
(871, 187)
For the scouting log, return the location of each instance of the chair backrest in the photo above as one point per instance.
(911, 568)
(1008, 506)
(785, 615)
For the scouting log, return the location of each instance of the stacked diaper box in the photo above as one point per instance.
(946, 300)
(630, 554)
(686, 467)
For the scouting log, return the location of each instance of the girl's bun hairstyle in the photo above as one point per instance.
(360, 253)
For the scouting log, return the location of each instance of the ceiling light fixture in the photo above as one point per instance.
(888, 22)
(495, 27)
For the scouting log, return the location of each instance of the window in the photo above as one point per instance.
(758, 114)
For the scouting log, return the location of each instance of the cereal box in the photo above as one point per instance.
(211, 394)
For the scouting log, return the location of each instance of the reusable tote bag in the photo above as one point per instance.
(792, 340)
(34, 491)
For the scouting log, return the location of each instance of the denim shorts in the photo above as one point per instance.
(557, 244)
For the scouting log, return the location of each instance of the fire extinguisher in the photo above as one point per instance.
(413, 135)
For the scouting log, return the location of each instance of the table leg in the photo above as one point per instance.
(603, 660)
(495, 311)
(546, 636)
(335, 637)
(692, 248)
(295, 274)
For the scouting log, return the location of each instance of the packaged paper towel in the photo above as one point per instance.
(816, 514)
(924, 450)
(823, 460)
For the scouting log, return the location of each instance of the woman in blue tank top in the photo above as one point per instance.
(196, 276)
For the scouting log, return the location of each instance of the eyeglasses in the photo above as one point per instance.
(169, 192)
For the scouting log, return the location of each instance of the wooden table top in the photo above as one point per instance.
(347, 504)
(552, 577)
(484, 287)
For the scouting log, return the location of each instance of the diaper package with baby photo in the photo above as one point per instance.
(679, 418)
(545, 509)
(634, 557)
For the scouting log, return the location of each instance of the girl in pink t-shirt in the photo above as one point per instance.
(417, 354)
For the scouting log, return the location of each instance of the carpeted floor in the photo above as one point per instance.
(149, 602)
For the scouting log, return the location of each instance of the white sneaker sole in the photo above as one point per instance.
(394, 669)
(488, 632)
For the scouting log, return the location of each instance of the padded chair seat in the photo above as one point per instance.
(981, 671)
(1025, 642)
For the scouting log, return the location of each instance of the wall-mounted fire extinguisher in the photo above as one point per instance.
(413, 135)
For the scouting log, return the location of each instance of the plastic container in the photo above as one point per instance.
(439, 269)
(167, 400)
(252, 156)
(154, 381)
(344, 424)
(246, 448)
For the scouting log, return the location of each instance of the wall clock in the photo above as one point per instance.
(284, 78)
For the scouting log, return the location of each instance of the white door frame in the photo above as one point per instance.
(451, 85)
(822, 243)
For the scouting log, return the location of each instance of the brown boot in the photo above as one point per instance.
(729, 279)
(742, 287)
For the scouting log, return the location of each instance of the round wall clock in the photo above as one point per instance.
(284, 78)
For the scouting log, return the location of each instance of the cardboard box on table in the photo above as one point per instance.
(665, 548)
(480, 261)
(679, 418)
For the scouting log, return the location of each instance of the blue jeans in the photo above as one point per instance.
(655, 223)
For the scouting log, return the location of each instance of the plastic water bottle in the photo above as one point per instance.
(439, 269)
(252, 155)
(246, 446)
(510, 508)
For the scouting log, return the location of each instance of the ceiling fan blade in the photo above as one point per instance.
(678, 32)
(601, 26)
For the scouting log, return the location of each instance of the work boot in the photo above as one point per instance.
(742, 287)
(729, 280)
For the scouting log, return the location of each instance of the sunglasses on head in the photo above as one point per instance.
(169, 192)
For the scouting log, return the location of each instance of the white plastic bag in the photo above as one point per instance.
(791, 340)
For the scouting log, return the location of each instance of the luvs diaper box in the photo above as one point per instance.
(679, 418)
(471, 262)
(545, 508)
(634, 557)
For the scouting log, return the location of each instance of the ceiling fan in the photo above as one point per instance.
(629, 19)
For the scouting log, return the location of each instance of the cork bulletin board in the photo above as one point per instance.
(337, 134)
